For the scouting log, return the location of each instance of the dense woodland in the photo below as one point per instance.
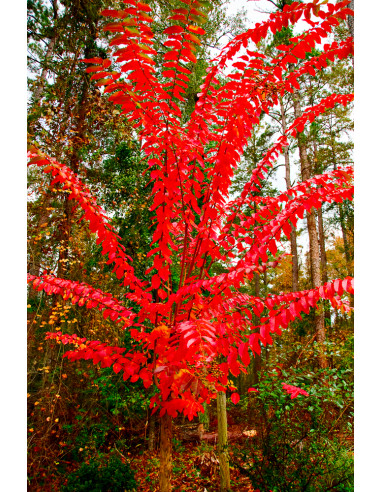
(272, 413)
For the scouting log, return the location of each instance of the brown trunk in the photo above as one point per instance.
(204, 417)
(324, 271)
(151, 432)
(49, 52)
(313, 240)
(79, 140)
(294, 244)
(42, 79)
(323, 254)
(165, 471)
(345, 240)
(348, 259)
(222, 445)
(351, 19)
(37, 93)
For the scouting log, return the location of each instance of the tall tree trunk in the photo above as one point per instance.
(313, 240)
(345, 240)
(324, 274)
(38, 90)
(151, 432)
(165, 471)
(49, 53)
(79, 140)
(222, 445)
(294, 244)
(351, 19)
(348, 259)
(323, 254)
(42, 78)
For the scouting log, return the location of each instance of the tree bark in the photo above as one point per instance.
(165, 471)
(324, 271)
(79, 139)
(204, 417)
(351, 19)
(348, 259)
(313, 240)
(323, 254)
(222, 445)
(49, 52)
(294, 244)
(151, 432)
(42, 79)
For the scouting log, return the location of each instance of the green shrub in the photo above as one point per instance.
(101, 475)
(299, 444)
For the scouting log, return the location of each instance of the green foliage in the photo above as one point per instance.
(125, 191)
(298, 445)
(101, 475)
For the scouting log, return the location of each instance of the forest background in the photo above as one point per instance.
(367, 297)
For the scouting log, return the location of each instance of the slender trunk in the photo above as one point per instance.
(348, 259)
(257, 362)
(324, 273)
(49, 52)
(79, 140)
(151, 432)
(345, 240)
(204, 417)
(222, 445)
(42, 79)
(294, 245)
(323, 254)
(351, 19)
(313, 240)
(38, 90)
(165, 471)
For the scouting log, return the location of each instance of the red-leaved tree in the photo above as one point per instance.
(191, 336)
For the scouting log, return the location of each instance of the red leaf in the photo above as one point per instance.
(174, 30)
(235, 398)
(294, 391)
(272, 247)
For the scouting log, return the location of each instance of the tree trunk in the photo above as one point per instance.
(222, 446)
(313, 240)
(79, 139)
(49, 52)
(165, 471)
(348, 259)
(42, 79)
(294, 244)
(351, 19)
(324, 272)
(151, 432)
(323, 254)
(204, 417)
